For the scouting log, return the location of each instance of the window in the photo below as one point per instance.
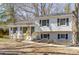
(62, 36)
(24, 29)
(11, 28)
(44, 36)
(44, 22)
(14, 29)
(64, 21)
(21, 28)
(32, 29)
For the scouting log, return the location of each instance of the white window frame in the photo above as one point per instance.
(44, 35)
(63, 22)
(46, 24)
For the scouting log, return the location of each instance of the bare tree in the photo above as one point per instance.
(35, 9)
(8, 12)
(75, 24)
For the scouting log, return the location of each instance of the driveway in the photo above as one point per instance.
(30, 47)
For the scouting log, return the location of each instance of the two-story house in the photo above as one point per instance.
(55, 28)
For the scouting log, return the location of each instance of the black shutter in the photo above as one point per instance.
(66, 36)
(58, 36)
(67, 20)
(48, 22)
(41, 36)
(57, 22)
(40, 22)
(48, 36)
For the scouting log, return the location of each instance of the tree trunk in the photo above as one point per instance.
(75, 24)
(75, 30)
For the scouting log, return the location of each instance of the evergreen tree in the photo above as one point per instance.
(67, 8)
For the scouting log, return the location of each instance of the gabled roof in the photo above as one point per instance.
(22, 23)
(58, 15)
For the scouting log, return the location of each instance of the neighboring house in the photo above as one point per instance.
(55, 28)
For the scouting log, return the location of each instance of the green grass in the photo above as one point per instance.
(4, 39)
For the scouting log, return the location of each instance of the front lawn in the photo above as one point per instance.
(9, 43)
(4, 39)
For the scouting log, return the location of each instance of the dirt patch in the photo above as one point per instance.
(17, 48)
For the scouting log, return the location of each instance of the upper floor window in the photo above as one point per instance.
(44, 22)
(64, 21)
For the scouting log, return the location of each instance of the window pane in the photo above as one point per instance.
(14, 30)
(62, 22)
(21, 28)
(45, 36)
(62, 35)
(24, 29)
(43, 22)
(11, 28)
(67, 20)
(32, 29)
